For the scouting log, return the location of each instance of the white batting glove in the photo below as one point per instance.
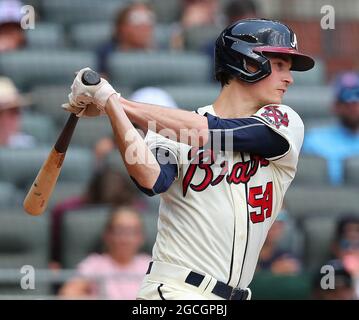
(82, 95)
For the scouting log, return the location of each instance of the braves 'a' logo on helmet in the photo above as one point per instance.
(294, 42)
(274, 116)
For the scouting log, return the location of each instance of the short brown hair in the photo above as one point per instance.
(224, 78)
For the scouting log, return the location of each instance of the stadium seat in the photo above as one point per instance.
(78, 165)
(192, 97)
(28, 68)
(310, 102)
(88, 36)
(352, 171)
(162, 68)
(70, 12)
(313, 77)
(197, 38)
(9, 195)
(23, 239)
(267, 286)
(45, 36)
(167, 11)
(318, 234)
(41, 127)
(162, 35)
(47, 100)
(24, 242)
(20, 166)
(311, 170)
(90, 130)
(303, 201)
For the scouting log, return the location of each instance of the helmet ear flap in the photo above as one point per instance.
(262, 71)
(241, 58)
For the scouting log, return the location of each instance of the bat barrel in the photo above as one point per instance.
(40, 192)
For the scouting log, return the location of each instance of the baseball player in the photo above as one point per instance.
(221, 171)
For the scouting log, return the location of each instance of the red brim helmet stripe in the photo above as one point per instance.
(300, 61)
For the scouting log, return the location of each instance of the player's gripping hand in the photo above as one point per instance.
(89, 110)
(84, 99)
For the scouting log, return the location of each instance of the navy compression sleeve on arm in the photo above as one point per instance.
(249, 135)
(167, 175)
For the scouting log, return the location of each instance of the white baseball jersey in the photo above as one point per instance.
(215, 217)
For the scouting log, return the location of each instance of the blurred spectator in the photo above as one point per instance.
(343, 284)
(240, 9)
(12, 36)
(272, 257)
(200, 13)
(152, 95)
(195, 13)
(11, 103)
(346, 245)
(338, 142)
(133, 31)
(120, 269)
(108, 186)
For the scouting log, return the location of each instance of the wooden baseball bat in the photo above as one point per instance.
(40, 192)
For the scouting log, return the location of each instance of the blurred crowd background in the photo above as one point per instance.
(95, 239)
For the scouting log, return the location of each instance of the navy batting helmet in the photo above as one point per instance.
(246, 41)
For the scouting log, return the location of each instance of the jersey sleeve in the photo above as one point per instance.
(245, 135)
(167, 175)
(156, 141)
(286, 122)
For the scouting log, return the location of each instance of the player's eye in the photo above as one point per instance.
(280, 65)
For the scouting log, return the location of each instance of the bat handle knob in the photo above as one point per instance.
(90, 78)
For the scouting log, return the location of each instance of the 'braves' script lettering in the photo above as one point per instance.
(205, 159)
